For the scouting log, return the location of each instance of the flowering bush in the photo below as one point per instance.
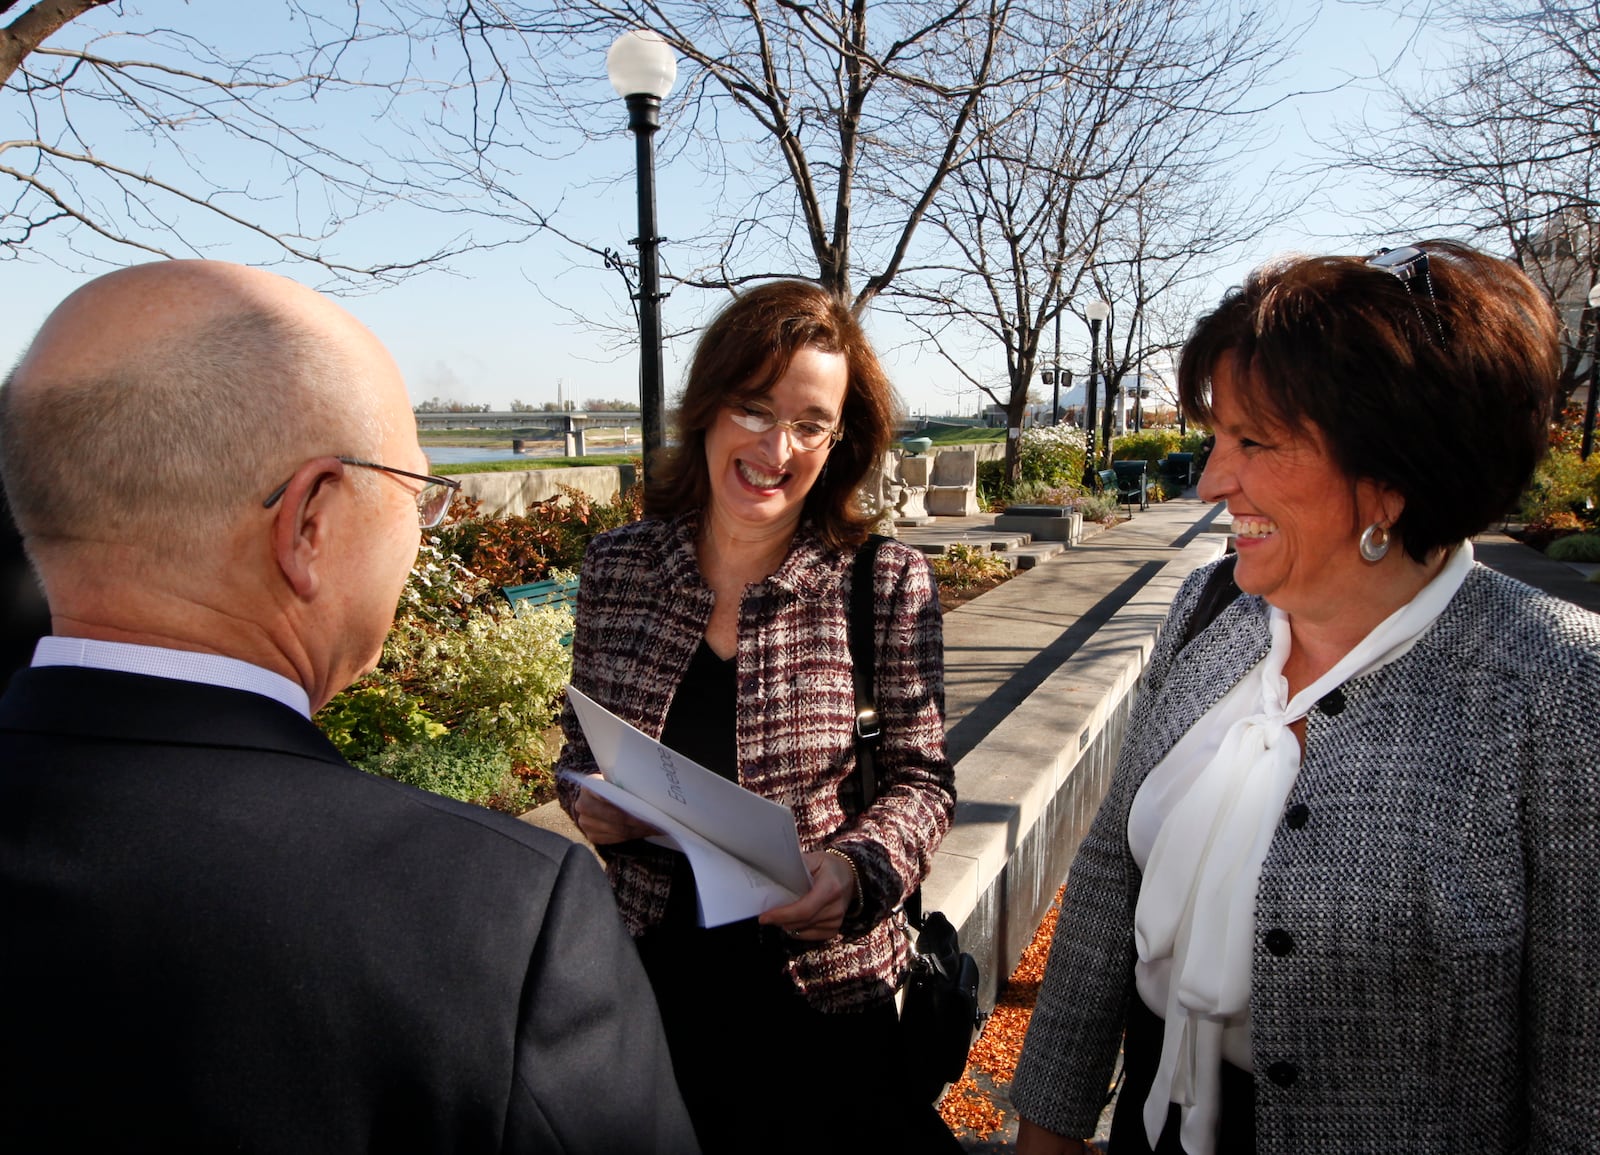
(1563, 497)
(1053, 455)
(464, 696)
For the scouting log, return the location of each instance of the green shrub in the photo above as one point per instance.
(466, 768)
(1579, 547)
(963, 566)
(1563, 484)
(463, 680)
(1099, 506)
(522, 548)
(1147, 445)
(992, 492)
(1052, 455)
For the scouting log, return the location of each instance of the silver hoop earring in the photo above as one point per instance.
(1374, 543)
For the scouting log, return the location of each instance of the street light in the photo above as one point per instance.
(1055, 410)
(642, 70)
(1594, 372)
(1096, 312)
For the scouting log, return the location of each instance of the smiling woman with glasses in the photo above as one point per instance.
(720, 625)
(433, 499)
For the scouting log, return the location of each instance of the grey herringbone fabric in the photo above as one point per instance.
(1437, 877)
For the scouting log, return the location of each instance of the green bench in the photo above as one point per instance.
(1179, 467)
(1133, 483)
(1128, 491)
(558, 593)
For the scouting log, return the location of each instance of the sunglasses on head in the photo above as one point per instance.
(1410, 264)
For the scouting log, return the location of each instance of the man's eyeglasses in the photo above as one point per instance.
(433, 499)
(1410, 264)
(805, 435)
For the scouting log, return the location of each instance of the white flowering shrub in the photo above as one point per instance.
(464, 694)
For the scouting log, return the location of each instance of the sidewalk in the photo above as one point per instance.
(1000, 646)
(1003, 645)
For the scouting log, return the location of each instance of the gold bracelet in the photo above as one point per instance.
(855, 907)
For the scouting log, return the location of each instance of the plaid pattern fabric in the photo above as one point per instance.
(1426, 973)
(642, 611)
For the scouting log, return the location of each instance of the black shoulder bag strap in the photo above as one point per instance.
(1219, 593)
(863, 666)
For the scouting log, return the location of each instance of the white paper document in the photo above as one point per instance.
(742, 847)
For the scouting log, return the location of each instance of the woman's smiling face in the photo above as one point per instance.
(1297, 516)
(760, 480)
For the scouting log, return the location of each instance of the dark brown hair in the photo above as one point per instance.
(741, 355)
(1442, 393)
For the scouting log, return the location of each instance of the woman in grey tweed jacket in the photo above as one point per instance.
(1419, 957)
(720, 625)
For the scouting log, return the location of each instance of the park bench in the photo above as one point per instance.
(1107, 479)
(1133, 483)
(557, 593)
(1179, 467)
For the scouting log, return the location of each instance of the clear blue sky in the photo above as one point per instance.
(491, 332)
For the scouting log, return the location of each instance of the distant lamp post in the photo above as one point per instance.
(1594, 371)
(1055, 411)
(1096, 312)
(642, 70)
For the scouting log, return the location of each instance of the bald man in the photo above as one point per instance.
(215, 934)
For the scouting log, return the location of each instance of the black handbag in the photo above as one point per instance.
(939, 1015)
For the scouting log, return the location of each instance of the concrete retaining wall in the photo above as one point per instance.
(514, 492)
(1028, 792)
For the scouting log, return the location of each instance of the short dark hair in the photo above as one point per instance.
(1442, 391)
(741, 355)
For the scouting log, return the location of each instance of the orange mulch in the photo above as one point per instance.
(996, 1050)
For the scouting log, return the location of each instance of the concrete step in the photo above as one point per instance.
(1031, 555)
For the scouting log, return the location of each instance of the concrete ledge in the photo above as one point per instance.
(1028, 791)
(514, 492)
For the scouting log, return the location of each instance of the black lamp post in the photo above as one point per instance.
(1096, 312)
(642, 70)
(1594, 373)
(1055, 405)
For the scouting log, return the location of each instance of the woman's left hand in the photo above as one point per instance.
(817, 915)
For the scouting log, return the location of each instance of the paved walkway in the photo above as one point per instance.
(1003, 644)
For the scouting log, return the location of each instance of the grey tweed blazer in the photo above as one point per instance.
(1436, 881)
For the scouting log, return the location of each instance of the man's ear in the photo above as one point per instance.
(301, 527)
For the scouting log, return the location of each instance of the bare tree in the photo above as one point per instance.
(1503, 145)
(790, 110)
(123, 133)
(1107, 176)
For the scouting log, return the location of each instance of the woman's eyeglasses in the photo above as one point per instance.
(433, 499)
(806, 435)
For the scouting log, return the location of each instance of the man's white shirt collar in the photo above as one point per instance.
(183, 665)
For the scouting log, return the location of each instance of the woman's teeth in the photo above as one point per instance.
(1245, 526)
(760, 479)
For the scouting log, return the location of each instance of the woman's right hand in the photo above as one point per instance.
(1033, 1139)
(603, 824)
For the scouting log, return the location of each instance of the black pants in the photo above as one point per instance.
(1141, 1054)
(761, 1070)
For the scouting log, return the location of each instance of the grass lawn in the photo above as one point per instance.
(524, 464)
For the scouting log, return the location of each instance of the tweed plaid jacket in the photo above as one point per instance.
(642, 611)
(1426, 972)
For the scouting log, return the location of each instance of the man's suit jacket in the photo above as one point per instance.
(217, 934)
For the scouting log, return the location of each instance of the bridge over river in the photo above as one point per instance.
(571, 423)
